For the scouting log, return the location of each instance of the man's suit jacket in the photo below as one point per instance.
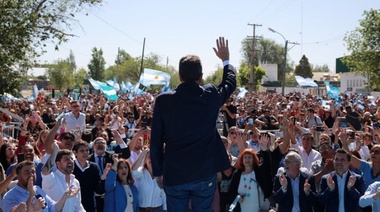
(351, 197)
(125, 153)
(185, 120)
(285, 199)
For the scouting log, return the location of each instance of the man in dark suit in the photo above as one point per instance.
(341, 189)
(294, 190)
(185, 121)
(101, 157)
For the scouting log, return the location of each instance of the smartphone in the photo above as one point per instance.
(320, 129)
(20, 157)
(343, 123)
(250, 121)
(376, 125)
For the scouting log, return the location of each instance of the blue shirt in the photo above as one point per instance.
(341, 184)
(18, 194)
(296, 193)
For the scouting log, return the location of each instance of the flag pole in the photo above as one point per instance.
(142, 59)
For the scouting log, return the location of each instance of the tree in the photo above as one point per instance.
(267, 52)
(304, 68)
(97, 64)
(80, 77)
(243, 74)
(122, 56)
(61, 75)
(364, 45)
(26, 27)
(323, 68)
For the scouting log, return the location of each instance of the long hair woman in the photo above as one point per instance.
(121, 195)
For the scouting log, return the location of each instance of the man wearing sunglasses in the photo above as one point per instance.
(75, 118)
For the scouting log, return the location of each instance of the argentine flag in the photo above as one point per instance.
(154, 77)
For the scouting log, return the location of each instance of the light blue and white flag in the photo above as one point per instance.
(35, 91)
(305, 82)
(109, 92)
(332, 91)
(242, 92)
(164, 89)
(123, 88)
(116, 85)
(154, 77)
(96, 84)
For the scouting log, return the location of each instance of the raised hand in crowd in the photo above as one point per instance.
(330, 183)
(306, 187)
(283, 182)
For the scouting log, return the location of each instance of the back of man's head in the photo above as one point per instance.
(190, 68)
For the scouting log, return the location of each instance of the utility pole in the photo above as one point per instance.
(252, 81)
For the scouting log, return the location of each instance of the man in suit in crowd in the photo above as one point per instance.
(294, 190)
(341, 189)
(184, 121)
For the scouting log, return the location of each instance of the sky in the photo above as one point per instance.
(173, 29)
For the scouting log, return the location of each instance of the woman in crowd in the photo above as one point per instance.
(41, 141)
(121, 195)
(250, 182)
(7, 155)
(151, 195)
(34, 125)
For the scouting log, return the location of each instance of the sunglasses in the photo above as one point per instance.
(232, 133)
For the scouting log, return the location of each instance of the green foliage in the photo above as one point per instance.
(97, 64)
(25, 28)
(122, 56)
(364, 45)
(323, 68)
(304, 68)
(80, 77)
(267, 52)
(61, 75)
(243, 75)
(215, 78)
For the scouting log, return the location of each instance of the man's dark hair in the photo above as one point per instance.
(190, 68)
(78, 144)
(342, 151)
(62, 153)
(22, 164)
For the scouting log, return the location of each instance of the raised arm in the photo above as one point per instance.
(355, 162)
(48, 166)
(51, 136)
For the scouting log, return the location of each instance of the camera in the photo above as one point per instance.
(319, 129)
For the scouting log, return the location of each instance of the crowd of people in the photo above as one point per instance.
(293, 152)
(276, 144)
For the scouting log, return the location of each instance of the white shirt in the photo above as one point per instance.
(307, 159)
(134, 157)
(150, 195)
(72, 122)
(54, 184)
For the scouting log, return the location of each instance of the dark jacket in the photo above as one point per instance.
(285, 199)
(351, 197)
(185, 120)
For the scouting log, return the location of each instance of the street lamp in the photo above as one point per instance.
(284, 65)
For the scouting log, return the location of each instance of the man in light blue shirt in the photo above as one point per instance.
(371, 197)
(341, 189)
(33, 196)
